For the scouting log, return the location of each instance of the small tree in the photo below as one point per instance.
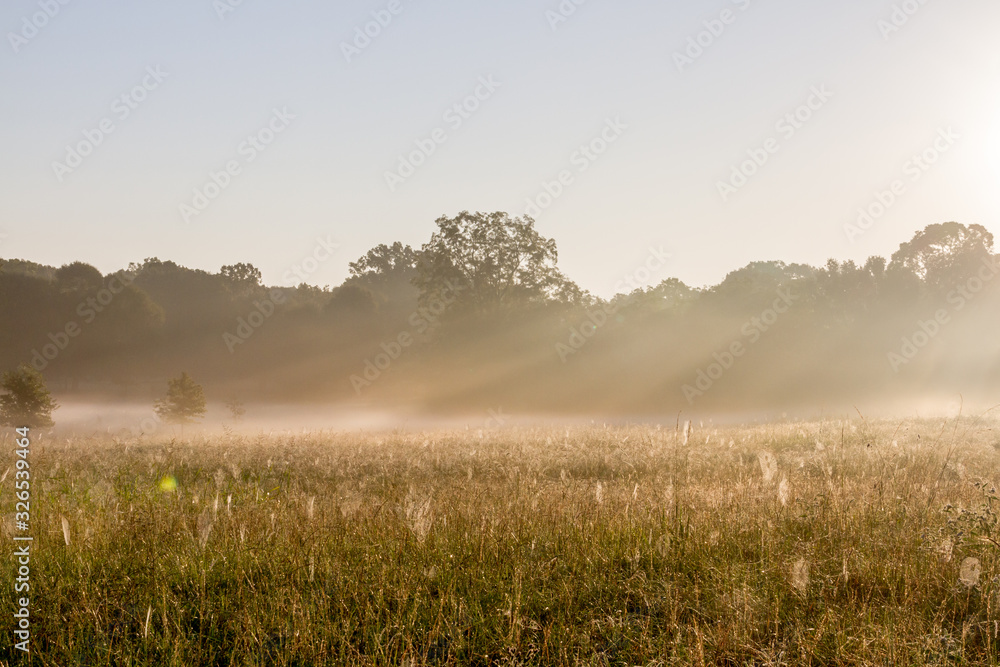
(236, 409)
(27, 401)
(184, 402)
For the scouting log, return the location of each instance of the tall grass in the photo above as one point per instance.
(843, 543)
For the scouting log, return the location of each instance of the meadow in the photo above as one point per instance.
(839, 542)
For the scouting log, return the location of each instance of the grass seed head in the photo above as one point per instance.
(784, 492)
(419, 514)
(800, 576)
(205, 523)
(65, 529)
(768, 465)
(970, 572)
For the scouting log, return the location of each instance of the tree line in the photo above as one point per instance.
(481, 316)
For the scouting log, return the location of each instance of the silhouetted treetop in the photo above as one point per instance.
(243, 280)
(78, 277)
(943, 255)
(498, 262)
(383, 262)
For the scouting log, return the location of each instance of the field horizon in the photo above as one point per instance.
(77, 416)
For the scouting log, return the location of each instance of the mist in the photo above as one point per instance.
(418, 336)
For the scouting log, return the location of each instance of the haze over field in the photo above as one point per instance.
(481, 320)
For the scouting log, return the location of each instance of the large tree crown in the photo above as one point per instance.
(494, 260)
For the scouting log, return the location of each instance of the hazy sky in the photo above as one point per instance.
(609, 68)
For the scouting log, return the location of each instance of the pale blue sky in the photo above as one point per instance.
(655, 186)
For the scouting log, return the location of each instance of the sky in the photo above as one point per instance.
(210, 132)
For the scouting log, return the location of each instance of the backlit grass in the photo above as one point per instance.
(795, 544)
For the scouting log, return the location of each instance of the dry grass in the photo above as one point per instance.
(795, 544)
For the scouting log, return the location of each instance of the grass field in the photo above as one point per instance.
(838, 542)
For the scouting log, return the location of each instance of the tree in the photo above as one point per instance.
(27, 401)
(133, 315)
(184, 402)
(671, 296)
(944, 255)
(78, 277)
(189, 298)
(243, 280)
(744, 291)
(382, 262)
(350, 300)
(27, 268)
(493, 262)
(236, 409)
(386, 274)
